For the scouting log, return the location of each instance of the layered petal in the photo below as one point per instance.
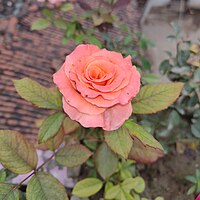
(97, 87)
(72, 96)
(86, 120)
(115, 116)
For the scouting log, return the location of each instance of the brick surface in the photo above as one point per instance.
(34, 54)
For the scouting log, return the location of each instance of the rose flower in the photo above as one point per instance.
(97, 86)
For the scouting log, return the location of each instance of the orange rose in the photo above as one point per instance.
(97, 86)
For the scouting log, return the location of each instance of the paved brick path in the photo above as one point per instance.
(36, 55)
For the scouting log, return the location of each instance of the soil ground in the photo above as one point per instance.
(166, 176)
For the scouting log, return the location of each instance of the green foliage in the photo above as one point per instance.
(37, 94)
(183, 66)
(50, 127)
(134, 142)
(2, 175)
(7, 192)
(72, 155)
(16, 153)
(43, 186)
(125, 190)
(111, 149)
(105, 155)
(112, 192)
(69, 125)
(67, 7)
(145, 148)
(56, 141)
(154, 98)
(137, 131)
(195, 180)
(60, 23)
(47, 13)
(40, 24)
(159, 198)
(136, 183)
(87, 187)
(149, 78)
(142, 153)
(119, 141)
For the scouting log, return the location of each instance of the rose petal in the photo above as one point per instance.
(101, 102)
(87, 91)
(79, 56)
(132, 88)
(85, 120)
(115, 116)
(72, 96)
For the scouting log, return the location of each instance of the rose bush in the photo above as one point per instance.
(97, 86)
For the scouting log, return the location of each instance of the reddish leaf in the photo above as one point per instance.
(143, 153)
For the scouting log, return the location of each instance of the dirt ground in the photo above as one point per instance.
(166, 177)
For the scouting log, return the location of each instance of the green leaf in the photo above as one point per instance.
(128, 39)
(87, 187)
(79, 38)
(124, 174)
(72, 155)
(70, 125)
(6, 192)
(182, 57)
(112, 192)
(145, 63)
(154, 98)
(50, 127)
(145, 148)
(165, 66)
(40, 24)
(2, 175)
(22, 195)
(60, 23)
(71, 29)
(106, 161)
(119, 141)
(136, 184)
(139, 132)
(192, 179)
(108, 185)
(67, 7)
(125, 196)
(195, 128)
(56, 141)
(150, 78)
(10, 175)
(47, 13)
(44, 186)
(65, 40)
(191, 190)
(136, 196)
(159, 198)
(38, 95)
(95, 41)
(16, 153)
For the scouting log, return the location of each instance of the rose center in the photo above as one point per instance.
(94, 72)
